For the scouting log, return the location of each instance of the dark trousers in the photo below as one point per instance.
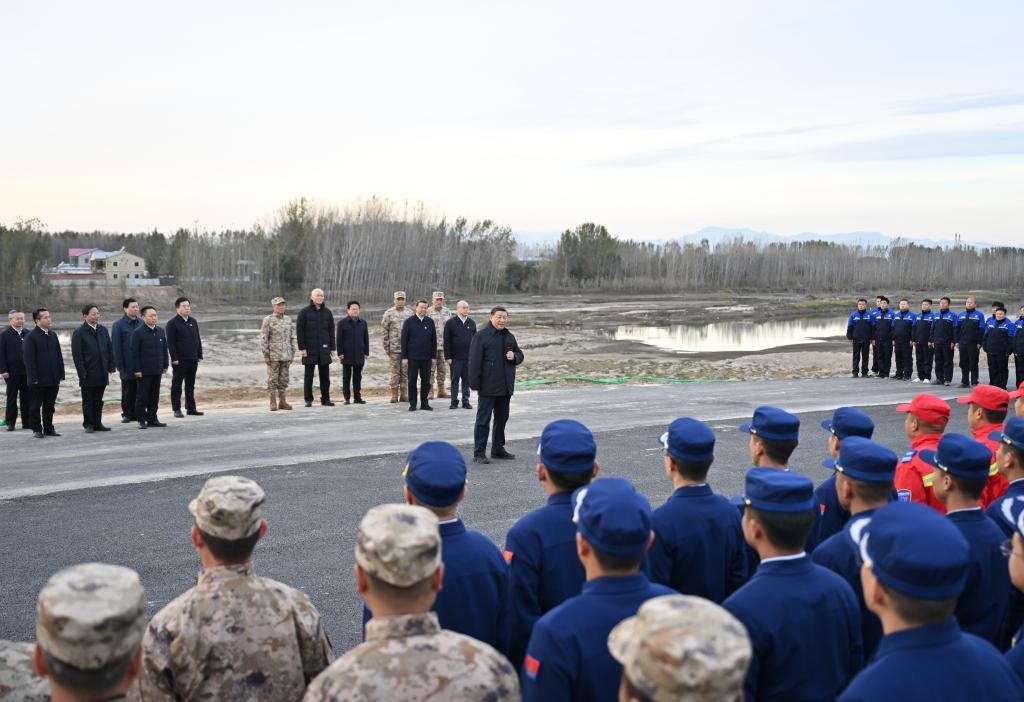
(147, 397)
(883, 356)
(998, 369)
(420, 369)
(944, 362)
(860, 357)
(17, 396)
(1018, 366)
(43, 397)
(129, 386)
(351, 380)
(92, 406)
(925, 357)
(486, 405)
(969, 356)
(325, 381)
(184, 372)
(904, 359)
(874, 359)
(460, 379)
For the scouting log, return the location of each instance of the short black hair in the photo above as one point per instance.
(421, 301)
(778, 451)
(903, 299)
(921, 612)
(147, 307)
(691, 470)
(616, 564)
(874, 493)
(945, 299)
(38, 311)
(177, 303)
(927, 299)
(87, 309)
(567, 482)
(231, 550)
(997, 303)
(971, 488)
(861, 299)
(994, 416)
(126, 303)
(879, 297)
(786, 531)
(1000, 309)
(883, 298)
(496, 309)
(88, 680)
(348, 305)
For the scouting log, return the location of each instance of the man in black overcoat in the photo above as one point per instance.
(493, 357)
(314, 334)
(94, 361)
(44, 366)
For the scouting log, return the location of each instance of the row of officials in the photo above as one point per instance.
(857, 589)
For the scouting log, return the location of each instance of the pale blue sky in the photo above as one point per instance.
(654, 118)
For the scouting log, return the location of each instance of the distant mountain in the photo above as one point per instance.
(715, 235)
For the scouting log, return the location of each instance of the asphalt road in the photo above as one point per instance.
(122, 497)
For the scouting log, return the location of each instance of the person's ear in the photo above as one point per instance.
(465, 491)
(407, 495)
(650, 542)
(437, 579)
(197, 538)
(264, 527)
(542, 473)
(39, 662)
(597, 469)
(362, 582)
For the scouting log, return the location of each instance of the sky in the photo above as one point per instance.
(652, 118)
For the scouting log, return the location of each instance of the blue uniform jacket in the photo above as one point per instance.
(883, 323)
(1018, 336)
(567, 657)
(859, 326)
(1003, 511)
(147, 353)
(419, 339)
(840, 553)
(932, 663)
(903, 325)
(999, 336)
(970, 326)
(830, 517)
(804, 625)
(698, 546)
(120, 340)
(923, 328)
(944, 327)
(984, 605)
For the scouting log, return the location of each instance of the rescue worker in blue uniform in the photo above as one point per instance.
(567, 657)
(883, 319)
(540, 548)
(915, 566)
(970, 329)
(803, 620)
(1018, 349)
(1010, 463)
(874, 356)
(902, 337)
(830, 516)
(698, 546)
(944, 331)
(858, 331)
(1000, 335)
(961, 473)
(923, 352)
(864, 473)
(1015, 551)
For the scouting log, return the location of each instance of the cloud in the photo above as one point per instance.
(999, 142)
(961, 103)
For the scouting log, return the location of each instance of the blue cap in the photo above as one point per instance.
(435, 473)
(689, 440)
(864, 459)
(916, 551)
(1012, 433)
(847, 421)
(773, 424)
(961, 457)
(566, 446)
(774, 490)
(613, 516)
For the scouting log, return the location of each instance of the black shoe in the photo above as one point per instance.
(128, 420)
(964, 385)
(454, 405)
(38, 434)
(359, 401)
(143, 425)
(100, 427)
(426, 407)
(503, 455)
(309, 403)
(947, 383)
(347, 402)
(195, 413)
(856, 375)
(178, 414)
(479, 458)
(89, 430)
(157, 424)
(466, 405)
(11, 427)
(412, 408)
(51, 432)
(326, 403)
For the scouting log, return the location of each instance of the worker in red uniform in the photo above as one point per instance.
(986, 412)
(927, 417)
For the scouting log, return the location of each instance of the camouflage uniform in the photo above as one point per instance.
(391, 336)
(18, 680)
(408, 656)
(277, 342)
(439, 371)
(235, 635)
(680, 648)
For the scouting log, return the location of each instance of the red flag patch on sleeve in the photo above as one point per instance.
(822, 507)
(532, 666)
(508, 556)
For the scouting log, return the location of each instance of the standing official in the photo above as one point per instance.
(970, 330)
(12, 369)
(277, 343)
(186, 349)
(1000, 334)
(944, 332)
(859, 331)
(121, 337)
(391, 337)
(923, 350)
(314, 330)
(353, 349)
(440, 314)
(493, 357)
(148, 361)
(44, 368)
(902, 335)
(94, 362)
(419, 348)
(1018, 349)
(883, 320)
(874, 353)
(458, 337)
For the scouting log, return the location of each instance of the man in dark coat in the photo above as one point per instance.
(419, 348)
(12, 369)
(121, 336)
(94, 362)
(458, 333)
(44, 366)
(314, 332)
(148, 360)
(493, 357)
(353, 350)
(186, 349)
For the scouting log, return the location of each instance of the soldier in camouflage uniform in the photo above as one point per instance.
(439, 371)
(89, 624)
(406, 655)
(391, 336)
(18, 679)
(681, 648)
(277, 342)
(235, 635)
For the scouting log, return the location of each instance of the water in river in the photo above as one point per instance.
(731, 336)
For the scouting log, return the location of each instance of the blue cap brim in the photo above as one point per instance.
(830, 463)
(738, 501)
(827, 425)
(929, 456)
(997, 436)
(745, 428)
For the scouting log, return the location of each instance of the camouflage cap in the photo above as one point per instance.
(399, 544)
(277, 300)
(437, 294)
(229, 507)
(90, 615)
(399, 294)
(682, 648)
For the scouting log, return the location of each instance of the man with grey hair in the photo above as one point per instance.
(314, 333)
(458, 335)
(12, 369)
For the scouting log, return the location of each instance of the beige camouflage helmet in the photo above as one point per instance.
(229, 507)
(399, 294)
(399, 544)
(437, 294)
(91, 615)
(277, 300)
(682, 648)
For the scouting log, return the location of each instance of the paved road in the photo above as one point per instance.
(323, 468)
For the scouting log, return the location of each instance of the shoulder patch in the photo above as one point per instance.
(508, 556)
(532, 667)
(908, 456)
(903, 495)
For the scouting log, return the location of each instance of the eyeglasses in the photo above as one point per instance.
(1006, 548)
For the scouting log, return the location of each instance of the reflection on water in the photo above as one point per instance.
(733, 336)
